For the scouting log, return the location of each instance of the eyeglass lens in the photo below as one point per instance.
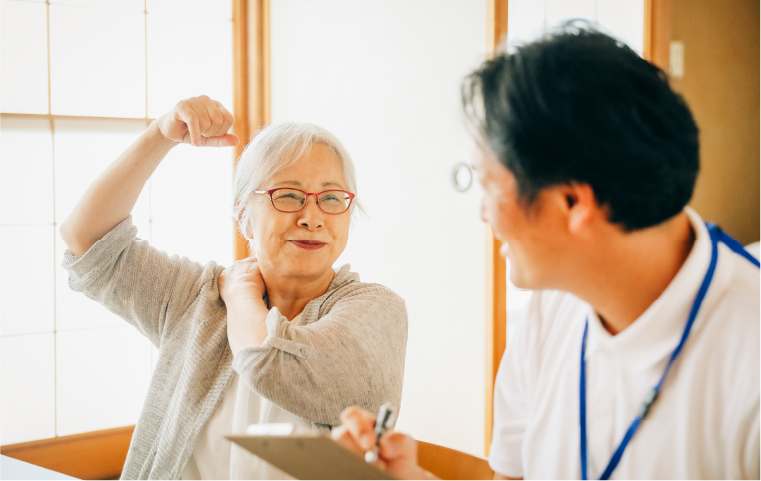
(330, 201)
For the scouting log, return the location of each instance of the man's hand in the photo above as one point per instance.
(198, 121)
(398, 452)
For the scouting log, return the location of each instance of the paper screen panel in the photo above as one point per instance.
(123, 5)
(23, 57)
(102, 378)
(28, 391)
(97, 62)
(220, 10)
(26, 171)
(191, 204)
(183, 63)
(27, 279)
(83, 149)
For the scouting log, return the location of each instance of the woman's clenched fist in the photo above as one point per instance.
(198, 121)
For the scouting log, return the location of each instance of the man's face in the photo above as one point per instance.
(531, 234)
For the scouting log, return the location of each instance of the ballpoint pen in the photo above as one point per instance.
(384, 421)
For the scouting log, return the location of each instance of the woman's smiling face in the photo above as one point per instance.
(279, 237)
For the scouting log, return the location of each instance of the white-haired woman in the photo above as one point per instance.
(279, 338)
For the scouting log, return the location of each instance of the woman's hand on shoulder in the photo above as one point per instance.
(241, 287)
(198, 121)
(243, 279)
(398, 452)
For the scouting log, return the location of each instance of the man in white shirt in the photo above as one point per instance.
(640, 354)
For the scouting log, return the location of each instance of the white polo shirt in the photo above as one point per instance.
(754, 249)
(705, 423)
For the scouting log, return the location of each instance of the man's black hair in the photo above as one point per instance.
(578, 106)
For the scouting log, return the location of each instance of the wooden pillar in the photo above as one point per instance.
(657, 32)
(496, 269)
(251, 80)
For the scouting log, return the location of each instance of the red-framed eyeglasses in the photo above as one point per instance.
(289, 200)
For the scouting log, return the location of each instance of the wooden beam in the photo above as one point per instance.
(497, 24)
(8, 115)
(258, 32)
(94, 455)
(251, 84)
(496, 268)
(657, 32)
(240, 100)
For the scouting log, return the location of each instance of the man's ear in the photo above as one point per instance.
(580, 204)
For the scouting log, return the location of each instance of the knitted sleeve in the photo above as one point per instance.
(352, 355)
(143, 285)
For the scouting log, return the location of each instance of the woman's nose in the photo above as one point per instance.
(311, 216)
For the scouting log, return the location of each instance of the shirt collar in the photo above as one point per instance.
(655, 334)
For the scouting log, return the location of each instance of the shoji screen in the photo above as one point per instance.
(67, 111)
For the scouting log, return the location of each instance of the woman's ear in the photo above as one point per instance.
(243, 225)
(247, 234)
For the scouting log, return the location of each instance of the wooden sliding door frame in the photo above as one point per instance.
(657, 32)
(251, 81)
(101, 454)
(496, 267)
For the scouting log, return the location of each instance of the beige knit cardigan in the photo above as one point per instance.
(347, 348)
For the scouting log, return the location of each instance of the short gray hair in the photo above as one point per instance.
(276, 147)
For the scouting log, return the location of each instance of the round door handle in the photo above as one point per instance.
(462, 177)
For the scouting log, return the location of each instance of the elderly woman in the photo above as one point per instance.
(277, 338)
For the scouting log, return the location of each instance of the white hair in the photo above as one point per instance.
(276, 147)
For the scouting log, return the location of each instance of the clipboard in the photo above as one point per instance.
(309, 455)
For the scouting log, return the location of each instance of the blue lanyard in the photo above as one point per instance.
(717, 235)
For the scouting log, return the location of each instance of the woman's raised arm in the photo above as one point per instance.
(199, 121)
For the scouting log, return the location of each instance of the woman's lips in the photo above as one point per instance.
(309, 245)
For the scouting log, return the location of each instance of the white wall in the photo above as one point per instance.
(384, 76)
(529, 19)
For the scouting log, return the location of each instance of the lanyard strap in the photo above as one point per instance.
(717, 236)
